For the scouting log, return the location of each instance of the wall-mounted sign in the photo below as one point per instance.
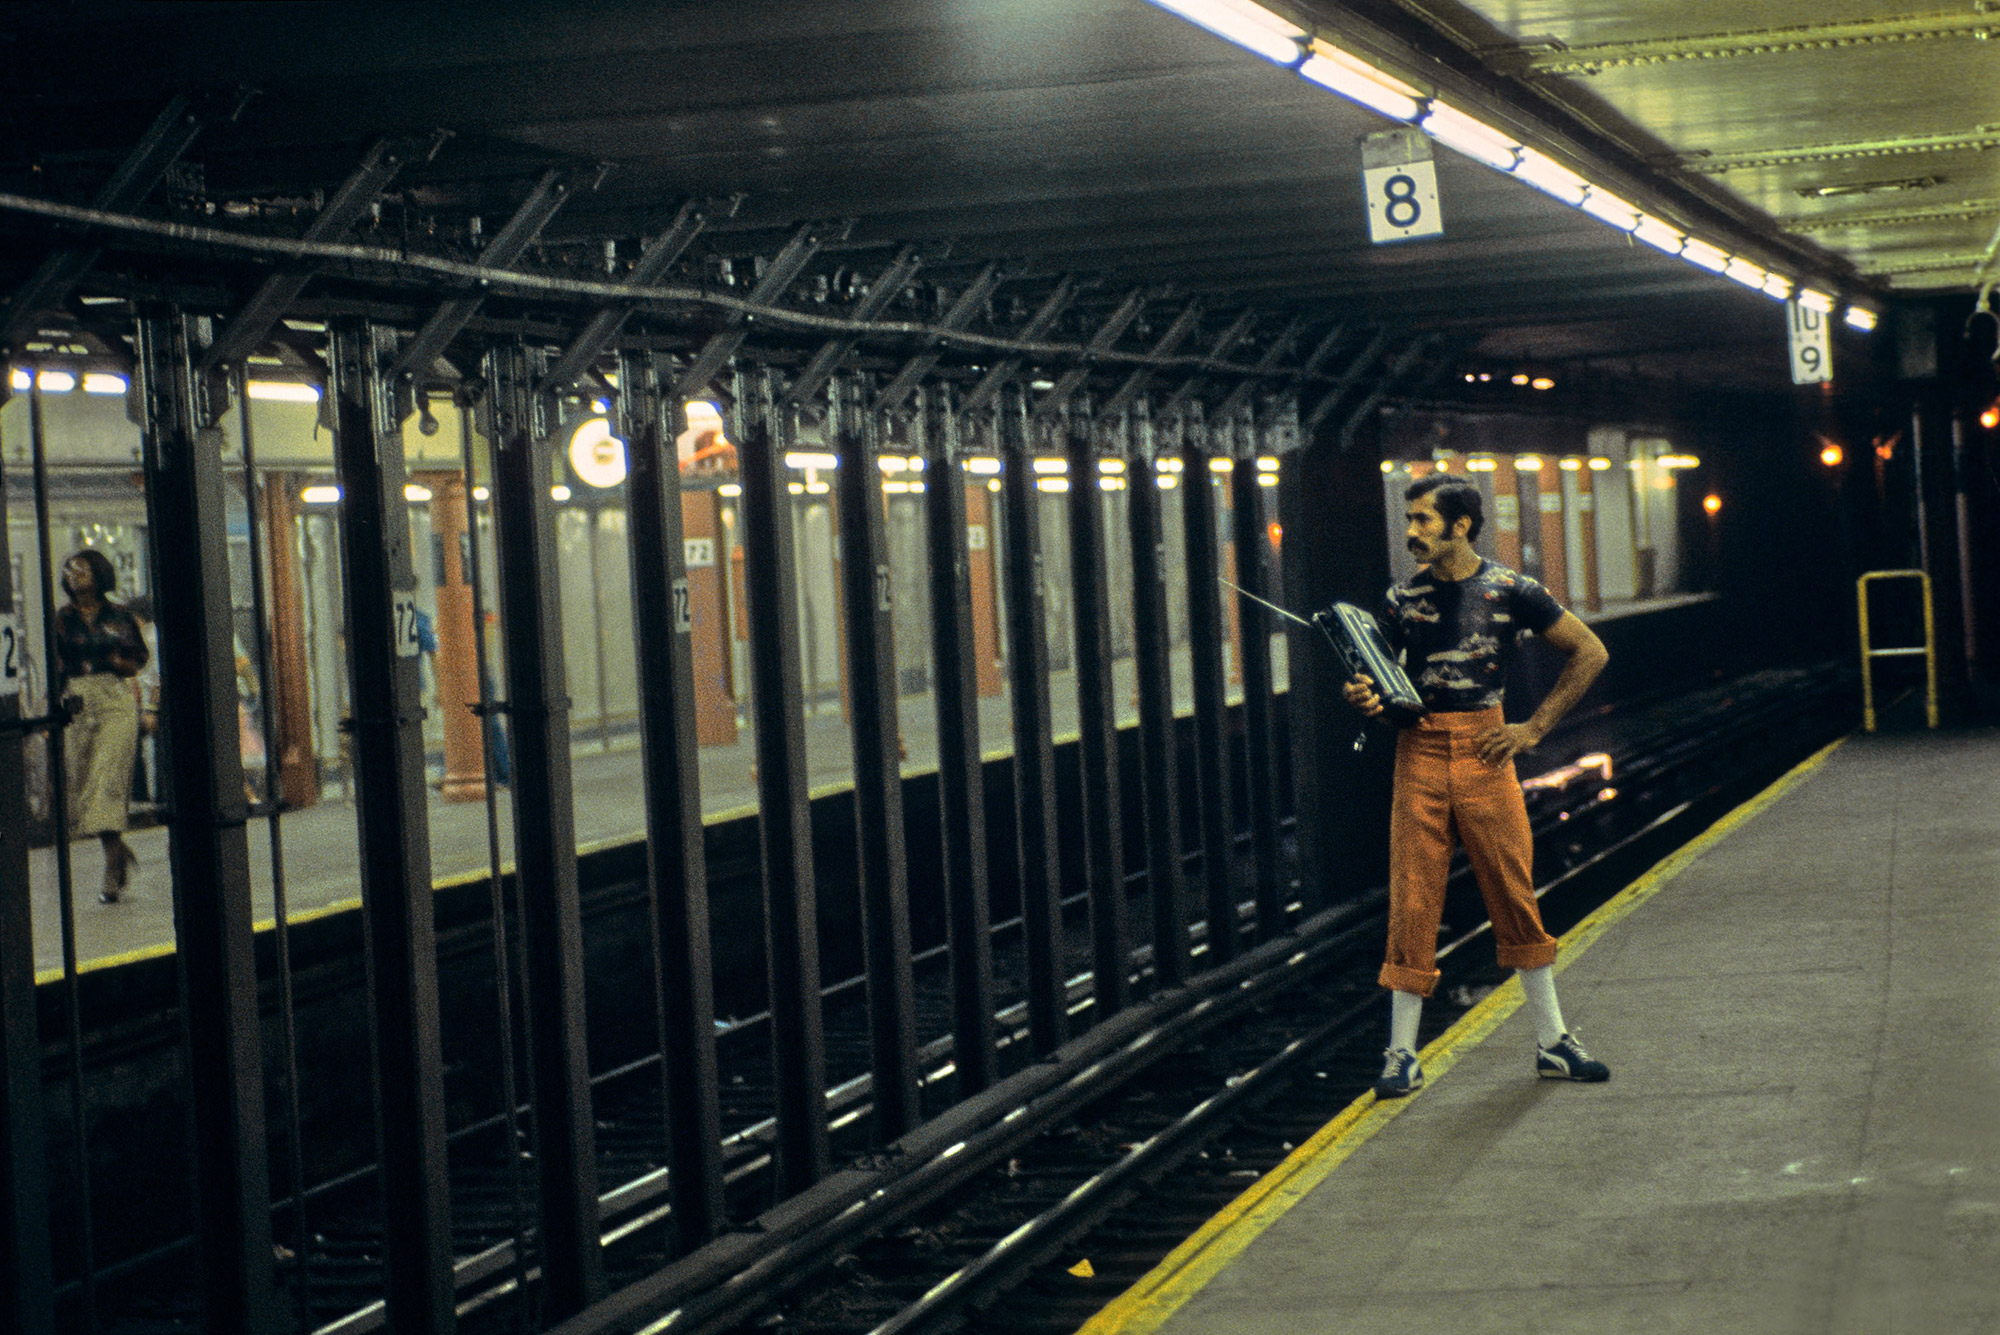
(1400, 183)
(409, 639)
(10, 655)
(1812, 345)
(698, 552)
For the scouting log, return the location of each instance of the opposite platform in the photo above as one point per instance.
(1802, 1131)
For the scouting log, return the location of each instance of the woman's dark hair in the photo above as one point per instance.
(100, 568)
(1454, 499)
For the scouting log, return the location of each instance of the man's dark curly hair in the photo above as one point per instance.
(1454, 498)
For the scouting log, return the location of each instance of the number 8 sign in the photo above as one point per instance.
(1402, 202)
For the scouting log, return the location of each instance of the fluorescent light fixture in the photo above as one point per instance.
(729, 489)
(480, 493)
(1221, 465)
(1266, 464)
(982, 466)
(56, 382)
(1861, 318)
(1777, 285)
(1169, 465)
(1267, 479)
(416, 493)
(1746, 273)
(1334, 69)
(1604, 206)
(597, 456)
(1815, 300)
(1599, 464)
(282, 391)
(1110, 465)
(916, 488)
(1520, 378)
(1111, 483)
(1527, 463)
(102, 382)
(796, 488)
(1551, 177)
(893, 463)
(1052, 483)
(1570, 465)
(916, 463)
(558, 492)
(1051, 465)
(993, 484)
(810, 459)
(1167, 481)
(1541, 382)
(320, 495)
(1470, 136)
(1679, 461)
(1699, 253)
(1250, 26)
(21, 379)
(1480, 465)
(1388, 466)
(817, 488)
(1657, 234)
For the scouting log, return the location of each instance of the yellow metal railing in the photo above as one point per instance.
(1869, 653)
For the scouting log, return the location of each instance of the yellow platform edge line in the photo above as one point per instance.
(1189, 1268)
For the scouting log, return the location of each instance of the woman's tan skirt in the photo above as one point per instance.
(99, 744)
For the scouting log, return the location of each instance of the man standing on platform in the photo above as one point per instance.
(1455, 622)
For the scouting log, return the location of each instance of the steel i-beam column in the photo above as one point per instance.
(208, 847)
(1211, 703)
(393, 815)
(677, 864)
(791, 929)
(1035, 827)
(545, 835)
(1260, 756)
(878, 773)
(1102, 807)
(27, 1284)
(961, 780)
(1158, 747)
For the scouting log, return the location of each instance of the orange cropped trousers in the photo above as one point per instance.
(1445, 792)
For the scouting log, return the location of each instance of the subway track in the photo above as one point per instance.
(1113, 1158)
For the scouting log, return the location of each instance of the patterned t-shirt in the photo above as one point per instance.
(1456, 636)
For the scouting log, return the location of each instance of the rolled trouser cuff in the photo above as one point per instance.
(1533, 955)
(1397, 978)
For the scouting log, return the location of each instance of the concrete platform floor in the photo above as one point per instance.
(1801, 1134)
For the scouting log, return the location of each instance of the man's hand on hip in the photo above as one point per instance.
(1499, 745)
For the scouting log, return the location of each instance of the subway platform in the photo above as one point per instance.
(1801, 1134)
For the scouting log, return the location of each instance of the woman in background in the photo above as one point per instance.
(99, 649)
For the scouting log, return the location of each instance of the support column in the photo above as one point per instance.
(702, 552)
(1035, 822)
(665, 617)
(393, 815)
(979, 592)
(784, 816)
(957, 684)
(1586, 522)
(208, 847)
(870, 661)
(1211, 706)
(1260, 767)
(291, 706)
(545, 835)
(1506, 513)
(1549, 524)
(27, 1284)
(1159, 748)
(457, 660)
(1102, 815)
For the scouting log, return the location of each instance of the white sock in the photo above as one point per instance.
(1405, 1009)
(1539, 987)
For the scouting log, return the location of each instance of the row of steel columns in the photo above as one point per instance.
(208, 815)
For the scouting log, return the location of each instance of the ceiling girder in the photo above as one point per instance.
(1183, 325)
(1239, 329)
(778, 276)
(658, 254)
(836, 350)
(968, 304)
(1714, 164)
(548, 194)
(1273, 355)
(1108, 333)
(1597, 57)
(1408, 360)
(240, 337)
(1038, 324)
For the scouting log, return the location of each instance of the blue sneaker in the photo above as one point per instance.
(1568, 1061)
(1402, 1074)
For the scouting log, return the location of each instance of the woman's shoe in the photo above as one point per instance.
(118, 866)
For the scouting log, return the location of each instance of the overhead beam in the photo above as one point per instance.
(1595, 58)
(1135, 383)
(813, 377)
(240, 337)
(969, 303)
(1108, 333)
(785, 267)
(1348, 379)
(1038, 324)
(548, 195)
(172, 131)
(658, 255)
(1714, 164)
(1239, 329)
(1273, 355)
(1408, 360)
